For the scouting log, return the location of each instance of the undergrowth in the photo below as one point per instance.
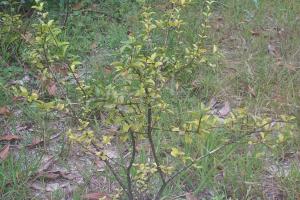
(180, 90)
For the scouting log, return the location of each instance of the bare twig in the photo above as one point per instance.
(164, 185)
(106, 161)
(149, 134)
(67, 13)
(133, 154)
(118, 178)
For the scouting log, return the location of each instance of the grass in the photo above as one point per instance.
(15, 173)
(245, 75)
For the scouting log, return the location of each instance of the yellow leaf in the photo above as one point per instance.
(24, 91)
(106, 139)
(215, 49)
(101, 155)
(176, 152)
(175, 129)
(60, 106)
(280, 138)
(188, 139)
(125, 128)
(34, 96)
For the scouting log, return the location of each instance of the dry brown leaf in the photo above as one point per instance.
(273, 51)
(25, 127)
(94, 45)
(225, 110)
(10, 137)
(35, 142)
(251, 91)
(46, 163)
(4, 111)
(52, 89)
(96, 196)
(48, 175)
(4, 152)
(218, 23)
(36, 186)
(93, 7)
(100, 165)
(255, 33)
(290, 67)
(52, 187)
(212, 103)
(107, 70)
(60, 69)
(77, 6)
(190, 196)
(27, 37)
(17, 98)
(52, 175)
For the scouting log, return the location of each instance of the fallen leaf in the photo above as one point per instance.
(290, 67)
(251, 91)
(35, 142)
(27, 37)
(107, 70)
(255, 33)
(273, 51)
(52, 175)
(225, 110)
(94, 45)
(111, 153)
(4, 111)
(220, 18)
(52, 187)
(77, 6)
(48, 175)
(218, 23)
(10, 138)
(46, 163)
(25, 127)
(100, 165)
(96, 196)
(190, 196)
(36, 186)
(52, 88)
(60, 69)
(93, 7)
(18, 98)
(212, 103)
(55, 186)
(4, 152)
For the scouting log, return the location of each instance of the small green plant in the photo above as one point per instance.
(10, 37)
(15, 172)
(134, 104)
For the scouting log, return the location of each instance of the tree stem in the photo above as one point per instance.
(149, 134)
(129, 180)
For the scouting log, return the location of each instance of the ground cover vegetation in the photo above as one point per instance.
(149, 99)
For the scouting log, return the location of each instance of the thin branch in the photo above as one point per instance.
(149, 134)
(110, 168)
(66, 17)
(117, 178)
(129, 180)
(133, 154)
(70, 69)
(164, 185)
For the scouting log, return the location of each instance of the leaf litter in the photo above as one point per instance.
(4, 152)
